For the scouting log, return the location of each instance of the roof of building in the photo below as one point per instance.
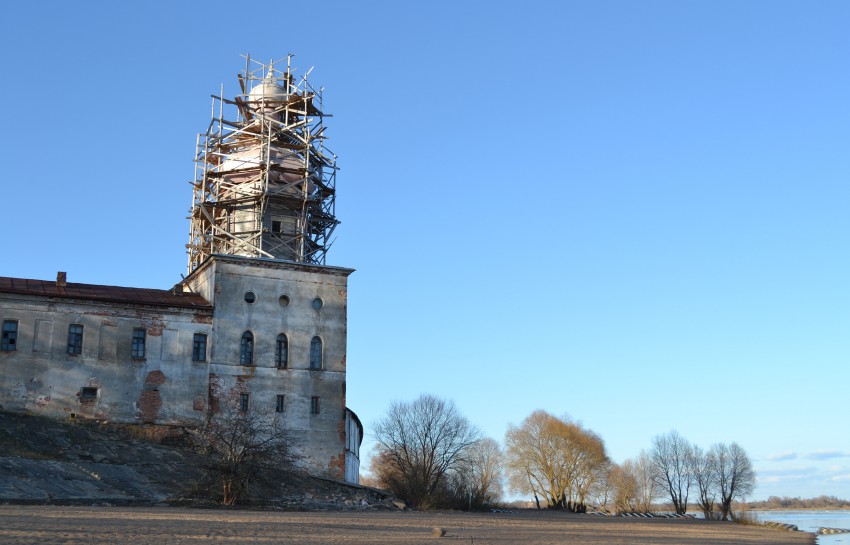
(111, 294)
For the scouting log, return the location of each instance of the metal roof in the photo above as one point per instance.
(112, 294)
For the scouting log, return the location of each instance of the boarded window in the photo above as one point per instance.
(199, 347)
(137, 350)
(246, 352)
(75, 339)
(282, 351)
(43, 336)
(316, 353)
(10, 336)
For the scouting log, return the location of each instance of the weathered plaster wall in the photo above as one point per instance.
(167, 387)
(42, 378)
(321, 436)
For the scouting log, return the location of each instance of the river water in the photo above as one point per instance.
(810, 521)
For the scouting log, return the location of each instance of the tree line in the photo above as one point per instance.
(431, 456)
(785, 502)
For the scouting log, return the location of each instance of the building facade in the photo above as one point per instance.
(259, 320)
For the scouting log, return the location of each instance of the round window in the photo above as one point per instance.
(250, 297)
(318, 303)
(284, 300)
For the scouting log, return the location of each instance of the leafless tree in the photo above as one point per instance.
(240, 446)
(673, 469)
(476, 482)
(419, 443)
(625, 487)
(735, 475)
(634, 485)
(647, 487)
(555, 459)
(704, 467)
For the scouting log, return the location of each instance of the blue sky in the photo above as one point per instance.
(634, 213)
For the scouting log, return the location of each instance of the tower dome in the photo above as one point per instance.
(263, 95)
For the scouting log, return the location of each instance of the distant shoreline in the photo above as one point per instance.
(842, 508)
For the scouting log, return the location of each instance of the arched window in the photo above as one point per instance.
(282, 351)
(246, 354)
(316, 353)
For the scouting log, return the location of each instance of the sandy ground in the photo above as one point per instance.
(165, 526)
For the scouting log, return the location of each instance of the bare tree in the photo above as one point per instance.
(418, 444)
(476, 482)
(555, 459)
(647, 489)
(704, 467)
(625, 487)
(634, 485)
(735, 475)
(673, 469)
(240, 446)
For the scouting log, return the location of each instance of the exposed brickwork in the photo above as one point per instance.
(149, 402)
(155, 378)
(336, 466)
(202, 319)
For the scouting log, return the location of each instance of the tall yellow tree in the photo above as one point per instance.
(556, 459)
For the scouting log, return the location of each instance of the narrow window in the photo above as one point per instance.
(282, 351)
(137, 351)
(316, 353)
(277, 226)
(281, 403)
(199, 347)
(88, 393)
(243, 402)
(75, 339)
(246, 354)
(10, 336)
(314, 405)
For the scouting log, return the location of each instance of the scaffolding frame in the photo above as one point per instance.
(265, 183)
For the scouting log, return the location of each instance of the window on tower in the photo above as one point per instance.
(316, 353)
(246, 354)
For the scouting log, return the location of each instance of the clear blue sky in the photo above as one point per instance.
(635, 213)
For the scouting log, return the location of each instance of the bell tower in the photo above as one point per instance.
(265, 184)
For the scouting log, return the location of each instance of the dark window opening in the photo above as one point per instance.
(276, 226)
(88, 393)
(243, 402)
(199, 347)
(75, 339)
(10, 336)
(246, 353)
(137, 350)
(250, 297)
(281, 403)
(282, 351)
(316, 353)
(314, 405)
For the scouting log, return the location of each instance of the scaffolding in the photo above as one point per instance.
(265, 184)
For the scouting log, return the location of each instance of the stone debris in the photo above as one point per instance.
(828, 531)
